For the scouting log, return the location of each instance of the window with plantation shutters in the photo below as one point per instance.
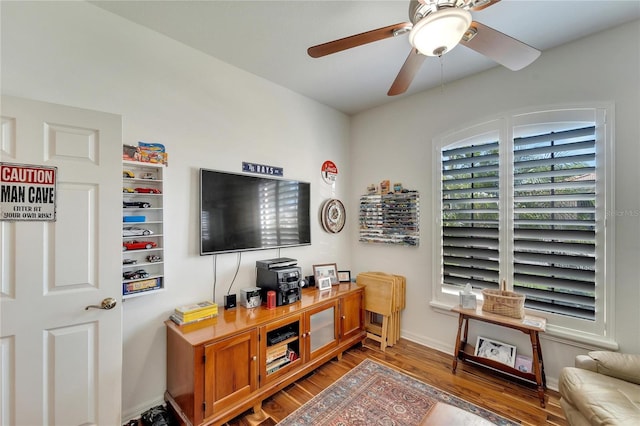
(470, 215)
(554, 209)
(523, 200)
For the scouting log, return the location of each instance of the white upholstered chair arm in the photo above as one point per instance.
(614, 364)
(585, 362)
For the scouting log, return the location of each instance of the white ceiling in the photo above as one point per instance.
(270, 38)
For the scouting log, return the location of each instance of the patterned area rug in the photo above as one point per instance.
(373, 394)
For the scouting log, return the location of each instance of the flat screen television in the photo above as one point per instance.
(243, 212)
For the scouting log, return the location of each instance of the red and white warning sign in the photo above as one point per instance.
(329, 172)
(27, 192)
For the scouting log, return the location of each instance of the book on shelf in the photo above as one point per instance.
(524, 363)
(275, 352)
(276, 364)
(140, 286)
(179, 321)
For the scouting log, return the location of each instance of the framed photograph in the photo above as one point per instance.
(326, 270)
(323, 283)
(524, 363)
(496, 351)
(344, 276)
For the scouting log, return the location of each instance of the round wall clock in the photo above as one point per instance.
(333, 216)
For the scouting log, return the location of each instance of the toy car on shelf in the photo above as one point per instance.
(138, 245)
(148, 175)
(129, 275)
(154, 258)
(129, 261)
(135, 275)
(136, 204)
(127, 190)
(148, 190)
(134, 231)
(128, 174)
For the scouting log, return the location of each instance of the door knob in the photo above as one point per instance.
(107, 303)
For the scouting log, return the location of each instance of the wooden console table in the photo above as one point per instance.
(529, 325)
(221, 367)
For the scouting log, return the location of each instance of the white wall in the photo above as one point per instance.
(212, 115)
(208, 114)
(398, 138)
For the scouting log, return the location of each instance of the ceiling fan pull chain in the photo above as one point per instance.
(441, 73)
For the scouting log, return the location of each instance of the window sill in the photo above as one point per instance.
(553, 333)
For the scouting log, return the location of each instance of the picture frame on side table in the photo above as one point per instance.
(323, 283)
(496, 351)
(326, 270)
(524, 364)
(344, 276)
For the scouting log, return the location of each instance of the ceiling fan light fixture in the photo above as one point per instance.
(440, 31)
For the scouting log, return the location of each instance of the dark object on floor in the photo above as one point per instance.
(158, 416)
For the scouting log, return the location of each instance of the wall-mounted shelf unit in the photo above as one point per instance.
(390, 218)
(142, 228)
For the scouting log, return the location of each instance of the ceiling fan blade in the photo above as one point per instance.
(484, 5)
(407, 73)
(358, 40)
(503, 49)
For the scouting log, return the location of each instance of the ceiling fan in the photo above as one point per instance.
(436, 27)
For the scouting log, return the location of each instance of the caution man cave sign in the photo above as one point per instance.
(28, 192)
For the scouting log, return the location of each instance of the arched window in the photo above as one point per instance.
(523, 200)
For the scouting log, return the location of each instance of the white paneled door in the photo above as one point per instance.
(60, 364)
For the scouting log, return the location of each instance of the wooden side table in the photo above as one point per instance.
(529, 325)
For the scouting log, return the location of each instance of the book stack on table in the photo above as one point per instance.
(194, 312)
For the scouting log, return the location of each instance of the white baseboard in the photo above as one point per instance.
(132, 413)
(445, 347)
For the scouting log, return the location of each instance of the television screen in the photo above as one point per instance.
(242, 212)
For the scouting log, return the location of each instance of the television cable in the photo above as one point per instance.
(215, 258)
(236, 274)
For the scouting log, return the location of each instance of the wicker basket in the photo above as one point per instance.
(503, 302)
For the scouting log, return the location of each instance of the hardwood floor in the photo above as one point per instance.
(511, 400)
